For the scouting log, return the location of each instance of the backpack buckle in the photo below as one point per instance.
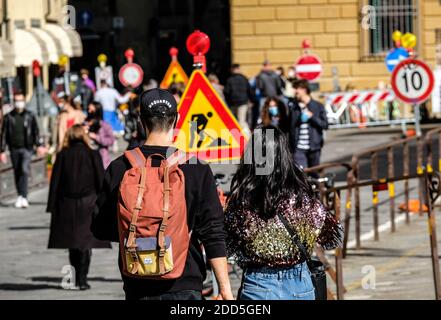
(132, 228)
(162, 227)
(162, 252)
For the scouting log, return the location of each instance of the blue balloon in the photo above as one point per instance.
(394, 57)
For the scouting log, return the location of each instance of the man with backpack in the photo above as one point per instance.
(161, 206)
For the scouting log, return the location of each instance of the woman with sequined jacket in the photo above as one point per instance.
(261, 189)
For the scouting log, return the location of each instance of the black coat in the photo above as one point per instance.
(76, 179)
(317, 124)
(237, 90)
(32, 134)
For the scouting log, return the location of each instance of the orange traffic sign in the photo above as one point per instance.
(206, 127)
(174, 74)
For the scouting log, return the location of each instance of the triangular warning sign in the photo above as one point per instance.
(174, 74)
(206, 127)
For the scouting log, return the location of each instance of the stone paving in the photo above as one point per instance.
(28, 270)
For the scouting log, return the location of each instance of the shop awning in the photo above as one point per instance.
(7, 66)
(29, 47)
(52, 44)
(69, 39)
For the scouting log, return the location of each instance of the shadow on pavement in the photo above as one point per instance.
(26, 287)
(58, 279)
(28, 228)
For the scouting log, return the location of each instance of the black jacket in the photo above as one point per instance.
(238, 90)
(204, 217)
(32, 134)
(76, 179)
(269, 83)
(317, 124)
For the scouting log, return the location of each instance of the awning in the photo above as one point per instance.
(29, 47)
(69, 39)
(7, 66)
(77, 45)
(52, 44)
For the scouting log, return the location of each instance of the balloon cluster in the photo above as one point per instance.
(407, 40)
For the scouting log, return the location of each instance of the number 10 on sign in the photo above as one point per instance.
(412, 81)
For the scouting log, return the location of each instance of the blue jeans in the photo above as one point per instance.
(293, 283)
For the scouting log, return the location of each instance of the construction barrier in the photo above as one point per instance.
(365, 108)
(429, 190)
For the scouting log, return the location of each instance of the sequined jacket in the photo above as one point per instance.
(258, 242)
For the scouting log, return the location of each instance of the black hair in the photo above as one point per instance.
(99, 113)
(302, 84)
(235, 66)
(264, 193)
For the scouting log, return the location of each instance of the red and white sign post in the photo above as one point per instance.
(130, 74)
(412, 81)
(308, 66)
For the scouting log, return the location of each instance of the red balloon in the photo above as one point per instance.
(173, 52)
(198, 43)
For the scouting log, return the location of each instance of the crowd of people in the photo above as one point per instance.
(94, 201)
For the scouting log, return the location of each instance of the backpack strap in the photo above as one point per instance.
(163, 226)
(135, 157)
(131, 245)
(178, 157)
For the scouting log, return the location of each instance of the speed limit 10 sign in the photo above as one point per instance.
(412, 81)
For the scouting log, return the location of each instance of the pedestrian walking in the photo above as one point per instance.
(214, 80)
(110, 99)
(85, 89)
(100, 132)
(68, 117)
(269, 83)
(308, 121)
(20, 133)
(194, 207)
(274, 268)
(274, 113)
(239, 95)
(76, 178)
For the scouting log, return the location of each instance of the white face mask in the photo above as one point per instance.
(291, 74)
(20, 105)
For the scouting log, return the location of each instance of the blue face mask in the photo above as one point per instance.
(273, 111)
(304, 117)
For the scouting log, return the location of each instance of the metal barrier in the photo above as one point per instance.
(38, 176)
(429, 190)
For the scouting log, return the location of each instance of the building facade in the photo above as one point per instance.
(275, 29)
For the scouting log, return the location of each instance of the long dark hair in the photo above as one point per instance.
(263, 192)
(95, 118)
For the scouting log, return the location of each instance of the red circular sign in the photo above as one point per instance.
(198, 43)
(412, 81)
(308, 67)
(131, 74)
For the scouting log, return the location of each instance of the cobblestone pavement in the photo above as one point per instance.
(28, 270)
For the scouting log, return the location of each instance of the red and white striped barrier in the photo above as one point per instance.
(359, 97)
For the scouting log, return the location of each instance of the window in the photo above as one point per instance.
(390, 15)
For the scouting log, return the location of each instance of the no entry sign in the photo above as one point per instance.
(412, 81)
(308, 67)
(131, 74)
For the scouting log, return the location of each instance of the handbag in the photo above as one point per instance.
(316, 267)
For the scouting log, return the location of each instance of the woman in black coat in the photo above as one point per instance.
(76, 179)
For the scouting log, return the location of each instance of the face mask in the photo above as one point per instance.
(274, 111)
(291, 74)
(20, 105)
(304, 117)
